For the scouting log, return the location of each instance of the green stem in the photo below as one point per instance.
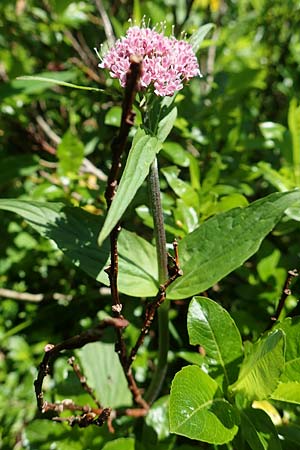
(162, 260)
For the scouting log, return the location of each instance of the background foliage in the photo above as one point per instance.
(236, 139)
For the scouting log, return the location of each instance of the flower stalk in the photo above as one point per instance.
(162, 260)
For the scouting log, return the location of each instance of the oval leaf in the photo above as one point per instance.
(106, 377)
(75, 232)
(142, 153)
(198, 409)
(210, 326)
(224, 242)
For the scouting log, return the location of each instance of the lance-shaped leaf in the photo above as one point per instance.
(142, 153)
(47, 81)
(261, 368)
(224, 242)
(198, 409)
(197, 38)
(75, 232)
(210, 326)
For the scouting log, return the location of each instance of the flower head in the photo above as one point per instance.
(167, 62)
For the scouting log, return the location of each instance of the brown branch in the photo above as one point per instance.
(82, 380)
(174, 273)
(78, 341)
(285, 293)
(118, 147)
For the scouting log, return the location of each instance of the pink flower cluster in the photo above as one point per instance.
(167, 62)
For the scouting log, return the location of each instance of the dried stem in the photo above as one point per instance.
(285, 293)
(78, 341)
(152, 307)
(118, 147)
(83, 381)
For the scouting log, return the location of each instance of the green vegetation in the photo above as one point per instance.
(228, 150)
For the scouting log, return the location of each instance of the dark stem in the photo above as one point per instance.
(78, 341)
(118, 147)
(285, 293)
(162, 304)
(152, 307)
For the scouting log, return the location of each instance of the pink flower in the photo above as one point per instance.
(167, 62)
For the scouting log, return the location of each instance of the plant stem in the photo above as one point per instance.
(162, 260)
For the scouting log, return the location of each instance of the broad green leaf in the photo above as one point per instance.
(158, 418)
(105, 375)
(211, 326)
(262, 367)
(258, 430)
(70, 153)
(198, 409)
(142, 153)
(47, 81)
(291, 328)
(75, 232)
(226, 241)
(199, 35)
(120, 444)
(288, 391)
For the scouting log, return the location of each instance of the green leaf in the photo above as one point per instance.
(75, 232)
(120, 444)
(226, 241)
(105, 375)
(290, 436)
(198, 409)
(142, 153)
(165, 125)
(288, 389)
(158, 419)
(294, 127)
(262, 367)
(181, 188)
(175, 153)
(199, 35)
(291, 328)
(28, 86)
(211, 326)
(39, 433)
(258, 430)
(20, 166)
(70, 153)
(48, 81)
